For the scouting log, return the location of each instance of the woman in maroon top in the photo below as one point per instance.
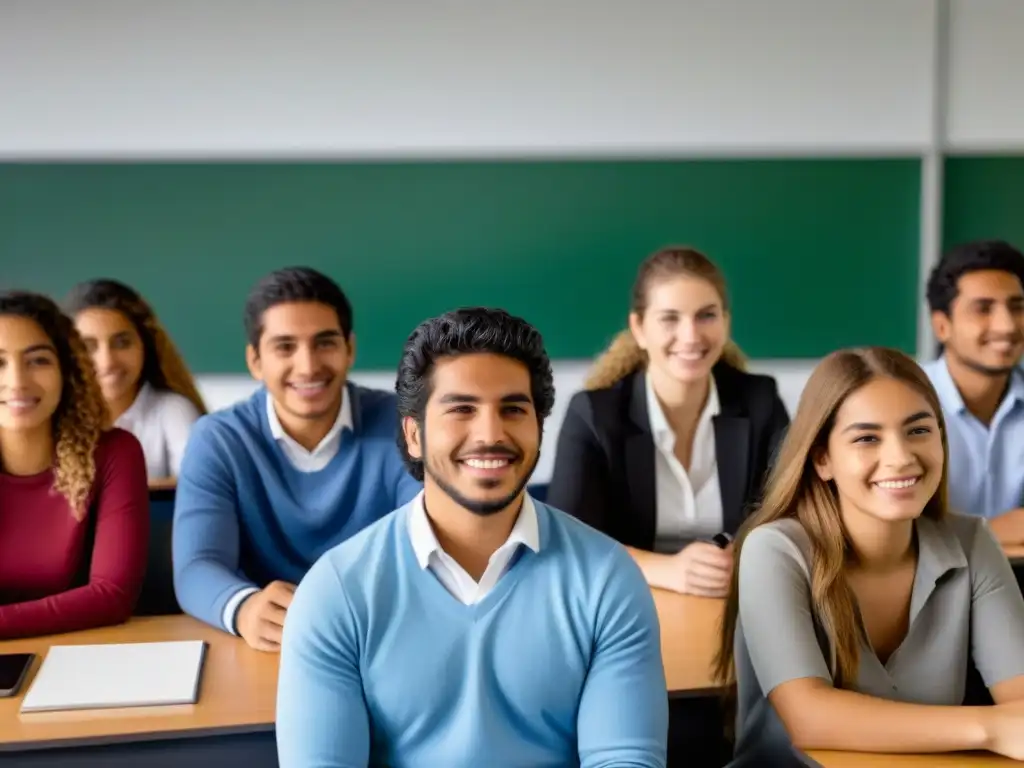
(74, 504)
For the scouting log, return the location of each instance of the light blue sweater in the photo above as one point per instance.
(560, 665)
(245, 516)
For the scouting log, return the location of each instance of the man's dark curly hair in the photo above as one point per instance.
(472, 330)
(970, 257)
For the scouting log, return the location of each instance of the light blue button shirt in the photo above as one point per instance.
(986, 463)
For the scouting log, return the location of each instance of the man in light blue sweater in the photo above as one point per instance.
(269, 485)
(473, 626)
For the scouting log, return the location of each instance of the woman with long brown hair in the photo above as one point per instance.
(147, 386)
(670, 441)
(74, 505)
(858, 599)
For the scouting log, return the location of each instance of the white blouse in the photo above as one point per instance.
(689, 504)
(161, 421)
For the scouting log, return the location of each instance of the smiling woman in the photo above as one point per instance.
(146, 384)
(73, 559)
(884, 594)
(670, 442)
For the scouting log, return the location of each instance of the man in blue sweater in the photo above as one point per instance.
(474, 626)
(269, 485)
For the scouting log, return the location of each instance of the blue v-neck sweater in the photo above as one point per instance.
(245, 516)
(559, 665)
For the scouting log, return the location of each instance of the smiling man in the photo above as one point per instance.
(474, 626)
(976, 297)
(269, 485)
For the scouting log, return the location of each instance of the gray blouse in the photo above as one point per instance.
(965, 604)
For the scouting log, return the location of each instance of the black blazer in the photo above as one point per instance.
(604, 466)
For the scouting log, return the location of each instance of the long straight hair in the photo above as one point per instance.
(624, 356)
(795, 490)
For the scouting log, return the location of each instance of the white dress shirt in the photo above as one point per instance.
(452, 575)
(689, 504)
(161, 421)
(302, 460)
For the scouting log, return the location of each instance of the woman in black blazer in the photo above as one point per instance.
(670, 442)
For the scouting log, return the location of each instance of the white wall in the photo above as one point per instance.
(986, 93)
(81, 78)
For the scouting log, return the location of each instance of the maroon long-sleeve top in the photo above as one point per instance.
(59, 574)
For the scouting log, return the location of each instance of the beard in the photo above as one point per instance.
(481, 507)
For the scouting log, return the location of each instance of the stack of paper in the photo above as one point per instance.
(119, 675)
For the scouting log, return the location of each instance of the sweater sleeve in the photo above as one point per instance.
(322, 718)
(623, 712)
(118, 559)
(205, 536)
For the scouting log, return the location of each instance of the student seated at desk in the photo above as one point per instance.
(672, 439)
(976, 297)
(269, 485)
(859, 599)
(74, 508)
(148, 389)
(474, 626)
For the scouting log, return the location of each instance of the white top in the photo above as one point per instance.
(452, 575)
(116, 675)
(162, 422)
(325, 450)
(689, 504)
(302, 460)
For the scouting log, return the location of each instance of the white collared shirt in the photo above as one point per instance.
(327, 449)
(689, 504)
(303, 461)
(452, 575)
(161, 421)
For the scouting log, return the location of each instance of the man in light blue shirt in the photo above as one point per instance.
(976, 297)
(474, 626)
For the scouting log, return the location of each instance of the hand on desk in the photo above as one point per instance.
(261, 616)
(703, 569)
(1004, 729)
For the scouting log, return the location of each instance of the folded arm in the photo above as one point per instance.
(205, 538)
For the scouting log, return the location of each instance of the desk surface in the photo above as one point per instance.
(863, 760)
(689, 641)
(1015, 553)
(237, 691)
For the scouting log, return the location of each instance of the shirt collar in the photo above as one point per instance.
(139, 405)
(344, 421)
(938, 551)
(425, 543)
(659, 424)
(950, 397)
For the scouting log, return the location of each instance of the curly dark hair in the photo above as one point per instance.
(294, 284)
(81, 415)
(472, 330)
(163, 367)
(970, 257)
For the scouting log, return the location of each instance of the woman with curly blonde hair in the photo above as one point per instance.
(671, 440)
(144, 380)
(74, 505)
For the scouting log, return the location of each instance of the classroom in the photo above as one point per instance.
(528, 157)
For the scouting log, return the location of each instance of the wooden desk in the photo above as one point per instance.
(237, 692)
(689, 641)
(863, 760)
(1015, 554)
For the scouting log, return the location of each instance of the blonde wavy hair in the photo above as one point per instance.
(163, 367)
(81, 415)
(624, 356)
(795, 490)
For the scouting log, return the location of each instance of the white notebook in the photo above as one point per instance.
(122, 675)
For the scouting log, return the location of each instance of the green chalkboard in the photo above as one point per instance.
(984, 200)
(819, 253)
